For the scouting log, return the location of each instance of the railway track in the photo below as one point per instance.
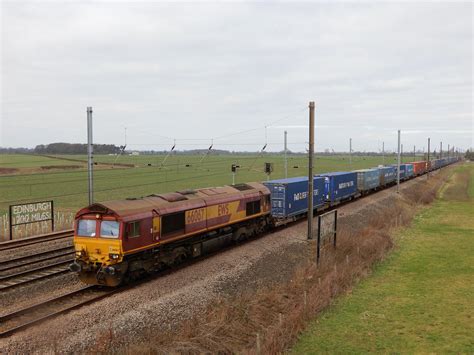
(31, 259)
(13, 244)
(30, 315)
(35, 274)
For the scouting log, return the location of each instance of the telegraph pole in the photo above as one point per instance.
(90, 158)
(398, 164)
(310, 170)
(286, 157)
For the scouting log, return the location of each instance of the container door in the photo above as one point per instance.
(278, 200)
(327, 188)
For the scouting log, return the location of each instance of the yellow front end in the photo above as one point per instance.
(99, 261)
(98, 250)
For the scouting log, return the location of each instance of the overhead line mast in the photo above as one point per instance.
(90, 158)
(310, 170)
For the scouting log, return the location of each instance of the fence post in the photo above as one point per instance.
(52, 215)
(319, 240)
(10, 221)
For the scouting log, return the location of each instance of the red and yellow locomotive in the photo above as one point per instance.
(118, 240)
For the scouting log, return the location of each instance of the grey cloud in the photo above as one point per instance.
(203, 70)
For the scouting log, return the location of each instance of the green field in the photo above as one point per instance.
(68, 187)
(420, 300)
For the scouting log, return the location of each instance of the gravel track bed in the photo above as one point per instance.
(23, 296)
(164, 302)
(6, 255)
(19, 269)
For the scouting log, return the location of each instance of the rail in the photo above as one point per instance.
(16, 243)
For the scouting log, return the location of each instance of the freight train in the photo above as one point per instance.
(118, 241)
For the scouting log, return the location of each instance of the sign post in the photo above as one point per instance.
(327, 226)
(28, 213)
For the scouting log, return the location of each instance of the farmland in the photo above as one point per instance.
(420, 299)
(65, 181)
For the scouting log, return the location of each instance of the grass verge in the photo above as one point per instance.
(421, 299)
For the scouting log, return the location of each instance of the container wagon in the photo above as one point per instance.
(340, 186)
(419, 167)
(289, 197)
(367, 180)
(406, 171)
(428, 165)
(410, 171)
(388, 174)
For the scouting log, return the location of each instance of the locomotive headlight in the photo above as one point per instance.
(114, 256)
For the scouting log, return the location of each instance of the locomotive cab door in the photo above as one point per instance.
(156, 226)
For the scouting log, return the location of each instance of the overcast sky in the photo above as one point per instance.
(201, 71)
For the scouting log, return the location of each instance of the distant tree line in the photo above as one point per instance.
(75, 148)
(16, 150)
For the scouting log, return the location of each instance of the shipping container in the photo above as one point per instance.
(289, 197)
(340, 185)
(388, 174)
(367, 179)
(429, 166)
(419, 167)
(403, 171)
(406, 171)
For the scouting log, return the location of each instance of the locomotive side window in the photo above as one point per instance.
(133, 229)
(172, 223)
(109, 229)
(86, 228)
(253, 207)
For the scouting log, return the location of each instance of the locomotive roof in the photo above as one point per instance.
(141, 207)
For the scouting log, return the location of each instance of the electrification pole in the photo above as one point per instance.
(310, 170)
(448, 151)
(383, 153)
(350, 150)
(428, 173)
(414, 153)
(440, 150)
(286, 157)
(398, 164)
(90, 158)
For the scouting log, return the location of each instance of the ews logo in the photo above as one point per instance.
(222, 209)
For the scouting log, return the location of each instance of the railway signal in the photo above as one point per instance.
(268, 169)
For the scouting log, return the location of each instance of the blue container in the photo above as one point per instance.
(340, 185)
(388, 174)
(406, 171)
(367, 179)
(403, 171)
(289, 197)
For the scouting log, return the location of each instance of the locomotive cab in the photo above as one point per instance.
(98, 249)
